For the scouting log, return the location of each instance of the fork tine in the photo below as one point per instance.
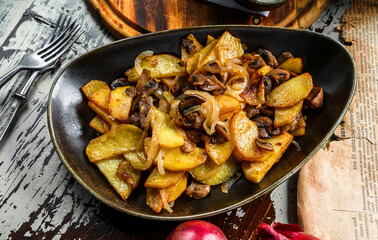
(57, 39)
(56, 28)
(56, 57)
(52, 50)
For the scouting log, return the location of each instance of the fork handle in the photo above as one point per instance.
(7, 118)
(4, 79)
(18, 98)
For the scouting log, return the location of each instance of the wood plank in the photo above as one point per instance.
(125, 18)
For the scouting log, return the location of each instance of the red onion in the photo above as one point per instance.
(197, 230)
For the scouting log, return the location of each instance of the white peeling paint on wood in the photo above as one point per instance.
(32, 178)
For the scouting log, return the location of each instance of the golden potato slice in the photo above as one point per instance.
(286, 116)
(162, 65)
(227, 104)
(227, 170)
(132, 75)
(255, 171)
(298, 132)
(193, 61)
(93, 86)
(291, 92)
(205, 171)
(109, 167)
(99, 125)
(120, 104)
(103, 115)
(254, 94)
(256, 75)
(178, 188)
(176, 160)
(210, 39)
(226, 116)
(101, 97)
(226, 48)
(137, 160)
(154, 200)
(155, 180)
(128, 174)
(167, 135)
(243, 135)
(198, 47)
(118, 140)
(294, 65)
(219, 152)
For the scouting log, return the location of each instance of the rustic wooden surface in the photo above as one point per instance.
(125, 18)
(39, 199)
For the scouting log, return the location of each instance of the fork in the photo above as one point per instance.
(20, 97)
(48, 54)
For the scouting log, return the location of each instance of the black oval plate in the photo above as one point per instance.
(326, 60)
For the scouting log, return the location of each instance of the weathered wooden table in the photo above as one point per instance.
(39, 199)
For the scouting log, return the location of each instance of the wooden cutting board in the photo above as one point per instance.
(126, 18)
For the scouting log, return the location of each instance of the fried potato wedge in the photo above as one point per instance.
(226, 116)
(119, 104)
(286, 116)
(176, 160)
(178, 188)
(99, 125)
(162, 65)
(167, 135)
(128, 174)
(227, 104)
(93, 86)
(243, 135)
(155, 180)
(109, 167)
(205, 171)
(101, 97)
(298, 132)
(255, 171)
(193, 62)
(118, 140)
(219, 152)
(226, 48)
(294, 65)
(210, 39)
(254, 94)
(198, 47)
(154, 200)
(103, 114)
(291, 92)
(227, 170)
(137, 160)
(132, 75)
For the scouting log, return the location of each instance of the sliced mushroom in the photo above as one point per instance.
(145, 77)
(190, 101)
(120, 82)
(251, 111)
(279, 75)
(145, 104)
(131, 91)
(213, 66)
(188, 146)
(206, 83)
(222, 131)
(315, 98)
(268, 57)
(276, 131)
(197, 190)
(267, 111)
(189, 45)
(264, 145)
(263, 122)
(256, 62)
(283, 57)
(263, 133)
(194, 136)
